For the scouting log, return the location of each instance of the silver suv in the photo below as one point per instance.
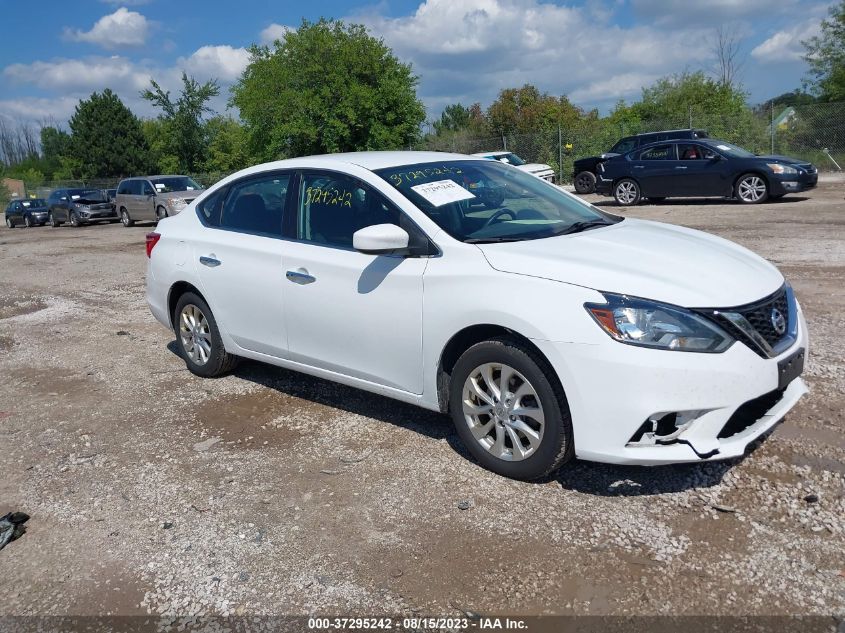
(151, 198)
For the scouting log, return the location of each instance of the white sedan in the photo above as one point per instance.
(546, 328)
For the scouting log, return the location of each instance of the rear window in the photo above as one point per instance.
(33, 203)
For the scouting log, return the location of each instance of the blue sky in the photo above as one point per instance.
(594, 51)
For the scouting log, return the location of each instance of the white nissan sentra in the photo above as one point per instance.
(547, 328)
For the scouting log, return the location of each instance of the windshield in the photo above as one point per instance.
(486, 201)
(174, 183)
(732, 150)
(510, 159)
(91, 195)
(33, 203)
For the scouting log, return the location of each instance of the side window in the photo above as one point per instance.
(209, 209)
(332, 207)
(123, 187)
(256, 205)
(146, 188)
(690, 151)
(659, 152)
(135, 187)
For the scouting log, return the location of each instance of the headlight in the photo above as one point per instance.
(177, 204)
(657, 325)
(780, 168)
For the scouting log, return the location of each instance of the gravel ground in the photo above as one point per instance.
(268, 492)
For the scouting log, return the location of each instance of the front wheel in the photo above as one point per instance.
(52, 220)
(512, 418)
(27, 221)
(10, 223)
(125, 219)
(199, 339)
(74, 219)
(161, 213)
(627, 192)
(752, 189)
(585, 182)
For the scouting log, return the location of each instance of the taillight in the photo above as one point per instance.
(152, 240)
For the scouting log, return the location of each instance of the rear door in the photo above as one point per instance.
(239, 260)
(654, 169)
(147, 202)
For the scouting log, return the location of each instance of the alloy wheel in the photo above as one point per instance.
(9, 224)
(751, 189)
(503, 411)
(626, 192)
(195, 334)
(28, 222)
(74, 219)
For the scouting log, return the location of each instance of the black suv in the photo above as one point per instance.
(584, 173)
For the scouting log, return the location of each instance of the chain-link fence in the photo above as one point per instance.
(814, 132)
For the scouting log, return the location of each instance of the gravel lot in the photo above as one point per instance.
(269, 492)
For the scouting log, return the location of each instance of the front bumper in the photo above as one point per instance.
(613, 389)
(104, 214)
(804, 181)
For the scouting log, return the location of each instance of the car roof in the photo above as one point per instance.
(371, 161)
(156, 176)
(498, 152)
(686, 129)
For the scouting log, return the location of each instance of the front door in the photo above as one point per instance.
(654, 169)
(354, 314)
(239, 259)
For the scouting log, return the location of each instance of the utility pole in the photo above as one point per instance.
(772, 114)
(559, 155)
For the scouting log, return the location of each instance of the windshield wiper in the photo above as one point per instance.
(583, 226)
(493, 240)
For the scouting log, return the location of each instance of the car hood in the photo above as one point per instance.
(789, 160)
(645, 259)
(534, 168)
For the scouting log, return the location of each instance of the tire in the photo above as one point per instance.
(10, 223)
(125, 219)
(52, 221)
(627, 192)
(161, 213)
(74, 219)
(585, 182)
(486, 435)
(751, 189)
(657, 199)
(210, 363)
(27, 221)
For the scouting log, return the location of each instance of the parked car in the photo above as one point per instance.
(152, 198)
(586, 169)
(509, 158)
(78, 207)
(546, 328)
(701, 168)
(29, 212)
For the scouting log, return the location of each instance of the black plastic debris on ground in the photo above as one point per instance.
(12, 527)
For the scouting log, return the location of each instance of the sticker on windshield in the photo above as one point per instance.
(442, 192)
(723, 147)
(159, 186)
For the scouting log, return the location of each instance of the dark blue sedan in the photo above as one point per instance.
(28, 212)
(701, 168)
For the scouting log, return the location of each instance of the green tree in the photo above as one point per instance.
(227, 149)
(826, 57)
(526, 110)
(454, 117)
(327, 87)
(55, 144)
(184, 118)
(106, 138)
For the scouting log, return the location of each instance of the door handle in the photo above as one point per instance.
(300, 277)
(680, 166)
(639, 166)
(211, 262)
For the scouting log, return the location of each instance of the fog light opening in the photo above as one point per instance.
(663, 428)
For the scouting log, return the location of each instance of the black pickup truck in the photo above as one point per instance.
(584, 174)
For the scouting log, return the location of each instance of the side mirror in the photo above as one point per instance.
(380, 239)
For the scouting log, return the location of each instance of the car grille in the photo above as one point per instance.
(809, 168)
(758, 316)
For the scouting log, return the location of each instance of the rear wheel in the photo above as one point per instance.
(627, 192)
(125, 219)
(199, 339)
(508, 413)
(585, 182)
(751, 189)
(52, 220)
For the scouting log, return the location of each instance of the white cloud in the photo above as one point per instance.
(478, 47)
(785, 45)
(274, 32)
(118, 29)
(80, 75)
(219, 62)
(38, 109)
